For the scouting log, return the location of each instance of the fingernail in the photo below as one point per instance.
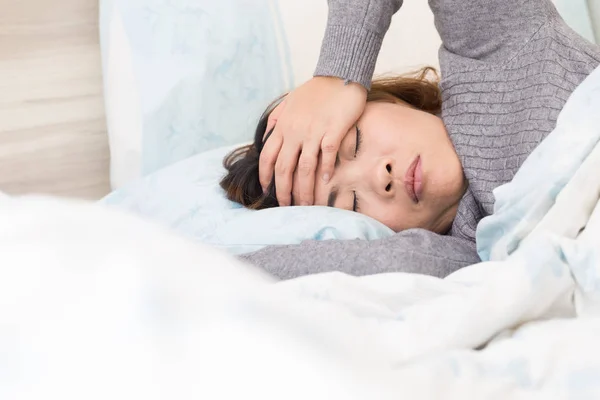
(264, 189)
(326, 177)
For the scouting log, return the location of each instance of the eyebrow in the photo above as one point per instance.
(332, 197)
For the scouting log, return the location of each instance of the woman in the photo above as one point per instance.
(396, 164)
(507, 66)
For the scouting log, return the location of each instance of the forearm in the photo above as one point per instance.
(353, 38)
(413, 251)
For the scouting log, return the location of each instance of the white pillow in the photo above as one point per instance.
(187, 197)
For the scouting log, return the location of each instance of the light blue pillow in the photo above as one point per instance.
(186, 197)
(185, 76)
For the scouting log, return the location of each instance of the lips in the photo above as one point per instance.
(413, 180)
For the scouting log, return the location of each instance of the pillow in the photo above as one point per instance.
(187, 198)
(186, 76)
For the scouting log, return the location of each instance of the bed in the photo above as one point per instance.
(98, 303)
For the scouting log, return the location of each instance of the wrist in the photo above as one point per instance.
(354, 86)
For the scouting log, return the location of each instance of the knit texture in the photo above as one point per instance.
(507, 66)
(496, 115)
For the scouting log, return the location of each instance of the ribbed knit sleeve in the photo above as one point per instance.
(353, 38)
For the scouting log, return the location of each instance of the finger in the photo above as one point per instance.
(268, 158)
(330, 145)
(304, 187)
(274, 116)
(284, 171)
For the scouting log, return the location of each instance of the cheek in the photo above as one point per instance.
(392, 215)
(390, 219)
(398, 215)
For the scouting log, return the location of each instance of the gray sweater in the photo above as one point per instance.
(507, 67)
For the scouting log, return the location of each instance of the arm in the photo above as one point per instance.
(353, 37)
(415, 251)
(489, 30)
(313, 118)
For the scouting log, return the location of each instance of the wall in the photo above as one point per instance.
(52, 130)
(411, 42)
(594, 6)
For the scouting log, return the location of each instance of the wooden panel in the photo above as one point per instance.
(52, 130)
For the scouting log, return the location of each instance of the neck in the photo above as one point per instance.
(443, 224)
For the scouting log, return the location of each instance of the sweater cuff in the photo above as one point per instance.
(349, 53)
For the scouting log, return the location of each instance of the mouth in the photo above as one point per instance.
(413, 182)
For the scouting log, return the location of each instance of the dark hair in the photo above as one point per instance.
(242, 184)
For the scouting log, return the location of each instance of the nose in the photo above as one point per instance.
(384, 178)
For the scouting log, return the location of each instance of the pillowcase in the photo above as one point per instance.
(185, 76)
(187, 198)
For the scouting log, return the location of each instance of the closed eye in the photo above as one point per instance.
(355, 203)
(358, 141)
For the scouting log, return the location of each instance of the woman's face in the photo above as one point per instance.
(398, 166)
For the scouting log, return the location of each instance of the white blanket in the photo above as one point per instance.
(94, 304)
